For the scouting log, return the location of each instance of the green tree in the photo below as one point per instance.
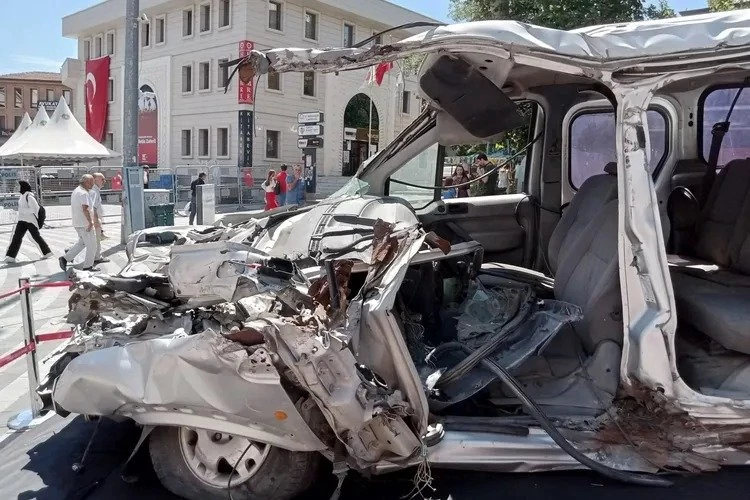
(561, 14)
(720, 5)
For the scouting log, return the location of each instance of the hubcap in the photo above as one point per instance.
(211, 455)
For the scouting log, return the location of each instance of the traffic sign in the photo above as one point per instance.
(309, 130)
(312, 142)
(310, 117)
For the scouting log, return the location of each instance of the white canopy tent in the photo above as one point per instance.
(25, 124)
(59, 139)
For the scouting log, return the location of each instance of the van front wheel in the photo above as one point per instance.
(197, 464)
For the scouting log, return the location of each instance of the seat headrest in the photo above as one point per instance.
(611, 168)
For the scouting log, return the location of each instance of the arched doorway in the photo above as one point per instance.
(148, 127)
(361, 132)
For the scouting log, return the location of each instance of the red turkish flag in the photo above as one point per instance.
(97, 98)
(380, 71)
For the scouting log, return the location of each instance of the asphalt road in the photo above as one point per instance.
(37, 464)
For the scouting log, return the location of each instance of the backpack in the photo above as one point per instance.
(277, 189)
(41, 215)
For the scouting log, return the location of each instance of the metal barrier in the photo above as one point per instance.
(29, 349)
(57, 182)
(9, 177)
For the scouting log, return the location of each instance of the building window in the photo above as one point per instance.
(66, 96)
(17, 122)
(205, 11)
(274, 80)
(223, 73)
(348, 35)
(308, 83)
(203, 142)
(222, 141)
(2, 122)
(34, 98)
(18, 103)
(311, 25)
(186, 143)
(187, 22)
(225, 13)
(109, 140)
(111, 90)
(406, 102)
(275, 16)
(50, 94)
(111, 43)
(272, 144)
(145, 34)
(160, 29)
(98, 46)
(2, 97)
(378, 40)
(86, 50)
(204, 76)
(187, 79)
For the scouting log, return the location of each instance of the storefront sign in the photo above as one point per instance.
(245, 139)
(47, 105)
(309, 130)
(245, 90)
(310, 117)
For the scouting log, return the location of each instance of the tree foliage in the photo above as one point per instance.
(720, 5)
(357, 113)
(561, 14)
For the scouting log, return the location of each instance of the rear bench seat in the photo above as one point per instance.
(712, 292)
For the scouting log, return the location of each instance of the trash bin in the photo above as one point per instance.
(160, 215)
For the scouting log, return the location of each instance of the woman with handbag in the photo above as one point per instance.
(272, 188)
(28, 213)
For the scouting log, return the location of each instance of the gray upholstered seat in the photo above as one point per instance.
(715, 300)
(593, 194)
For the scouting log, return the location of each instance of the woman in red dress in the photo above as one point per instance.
(270, 186)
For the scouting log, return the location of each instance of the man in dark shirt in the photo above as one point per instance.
(193, 204)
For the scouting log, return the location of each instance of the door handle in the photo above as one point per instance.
(458, 208)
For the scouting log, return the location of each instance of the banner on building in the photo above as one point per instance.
(245, 91)
(148, 127)
(96, 92)
(245, 139)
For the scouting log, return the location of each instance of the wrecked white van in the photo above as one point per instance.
(590, 315)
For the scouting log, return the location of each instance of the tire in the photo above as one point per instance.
(282, 474)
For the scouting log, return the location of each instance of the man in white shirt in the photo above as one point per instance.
(83, 222)
(96, 204)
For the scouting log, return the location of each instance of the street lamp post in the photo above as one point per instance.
(132, 195)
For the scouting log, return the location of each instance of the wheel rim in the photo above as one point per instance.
(211, 455)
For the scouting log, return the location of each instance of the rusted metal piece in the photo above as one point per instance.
(246, 337)
(384, 244)
(436, 241)
(320, 290)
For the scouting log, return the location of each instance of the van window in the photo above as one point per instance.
(714, 108)
(592, 143)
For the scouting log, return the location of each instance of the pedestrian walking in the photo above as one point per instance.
(145, 177)
(271, 188)
(96, 204)
(28, 220)
(117, 182)
(83, 223)
(281, 179)
(201, 180)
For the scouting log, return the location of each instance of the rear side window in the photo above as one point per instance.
(714, 108)
(593, 144)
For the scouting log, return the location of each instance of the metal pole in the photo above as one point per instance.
(25, 418)
(130, 118)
